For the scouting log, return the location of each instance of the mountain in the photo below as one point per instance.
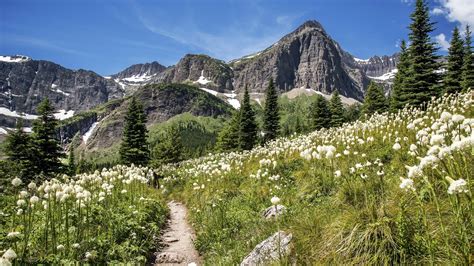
(25, 82)
(305, 61)
(136, 75)
(377, 66)
(306, 58)
(161, 102)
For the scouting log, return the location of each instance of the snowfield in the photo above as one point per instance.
(387, 76)
(14, 59)
(89, 132)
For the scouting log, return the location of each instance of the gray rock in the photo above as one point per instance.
(25, 84)
(308, 57)
(269, 250)
(274, 211)
(169, 257)
(191, 67)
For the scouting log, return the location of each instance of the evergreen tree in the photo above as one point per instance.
(170, 148)
(337, 110)
(19, 152)
(228, 138)
(374, 100)
(353, 112)
(422, 80)
(71, 165)
(453, 76)
(397, 100)
(248, 126)
(271, 116)
(468, 64)
(320, 114)
(134, 148)
(47, 149)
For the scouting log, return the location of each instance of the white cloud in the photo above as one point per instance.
(441, 40)
(237, 40)
(461, 11)
(437, 11)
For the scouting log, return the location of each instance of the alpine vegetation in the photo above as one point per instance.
(106, 216)
(395, 188)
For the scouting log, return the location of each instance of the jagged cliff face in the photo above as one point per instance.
(24, 84)
(377, 66)
(307, 58)
(131, 78)
(200, 70)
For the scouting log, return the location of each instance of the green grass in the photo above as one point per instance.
(361, 216)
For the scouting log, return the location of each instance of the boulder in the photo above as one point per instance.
(274, 211)
(269, 250)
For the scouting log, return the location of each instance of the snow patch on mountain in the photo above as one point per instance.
(213, 92)
(14, 59)
(231, 98)
(89, 132)
(387, 76)
(361, 61)
(202, 80)
(8, 112)
(308, 91)
(63, 114)
(138, 78)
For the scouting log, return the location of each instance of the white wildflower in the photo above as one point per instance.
(9, 254)
(457, 186)
(407, 184)
(16, 182)
(397, 146)
(275, 200)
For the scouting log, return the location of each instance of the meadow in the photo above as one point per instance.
(390, 188)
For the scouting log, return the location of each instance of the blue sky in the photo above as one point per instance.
(107, 36)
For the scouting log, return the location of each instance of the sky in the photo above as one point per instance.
(108, 36)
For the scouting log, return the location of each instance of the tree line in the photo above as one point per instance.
(418, 80)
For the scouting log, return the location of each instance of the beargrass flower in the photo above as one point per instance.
(9, 255)
(457, 186)
(407, 184)
(275, 200)
(397, 146)
(16, 182)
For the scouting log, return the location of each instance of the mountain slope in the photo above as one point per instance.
(161, 102)
(307, 58)
(137, 75)
(24, 83)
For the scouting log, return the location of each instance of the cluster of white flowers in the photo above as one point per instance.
(432, 136)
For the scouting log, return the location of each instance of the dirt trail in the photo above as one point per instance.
(179, 238)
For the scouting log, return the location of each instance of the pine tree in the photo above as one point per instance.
(248, 126)
(170, 148)
(320, 114)
(134, 148)
(46, 146)
(228, 138)
(397, 100)
(71, 165)
(468, 64)
(453, 76)
(375, 100)
(337, 110)
(271, 116)
(19, 152)
(422, 79)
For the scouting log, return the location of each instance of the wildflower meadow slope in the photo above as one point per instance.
(105, 217)
(390, 188)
